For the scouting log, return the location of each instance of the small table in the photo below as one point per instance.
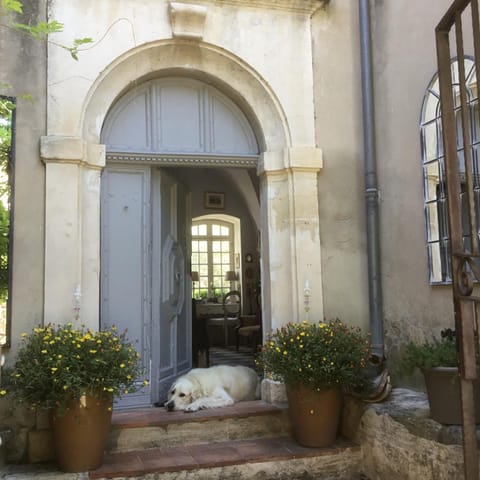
(209, 309)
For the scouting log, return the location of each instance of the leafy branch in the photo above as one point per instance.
(39, 31)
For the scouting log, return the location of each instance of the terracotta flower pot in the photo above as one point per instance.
(314, 414)
(80, 433)
(443, 391)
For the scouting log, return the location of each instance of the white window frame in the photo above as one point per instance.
(219, 287)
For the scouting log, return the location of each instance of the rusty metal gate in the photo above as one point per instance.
(460, 28)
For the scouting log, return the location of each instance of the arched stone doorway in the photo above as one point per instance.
(154, 134)
(288, 181)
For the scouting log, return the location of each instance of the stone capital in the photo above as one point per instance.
(58, 148)
(304, 158)
(69, 149)
(294, 158)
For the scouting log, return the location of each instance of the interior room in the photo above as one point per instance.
(225, 264)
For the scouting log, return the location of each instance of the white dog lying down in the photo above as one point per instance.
(212, 387)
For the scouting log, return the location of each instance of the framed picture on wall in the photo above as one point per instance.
(215, 200)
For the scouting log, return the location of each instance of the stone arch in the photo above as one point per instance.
(202, 61)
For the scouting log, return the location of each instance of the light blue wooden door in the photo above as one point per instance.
(171, 284)
(143, 272)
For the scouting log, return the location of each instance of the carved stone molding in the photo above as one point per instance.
(187, 20)
(302, 6)
(185, 160)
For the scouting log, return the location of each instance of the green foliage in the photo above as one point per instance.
(319, 356)
(6, 109)
(58, 363)
(435, 353)
(4, 241)
(9, 9)
(12, 6)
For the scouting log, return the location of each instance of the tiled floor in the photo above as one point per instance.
(230, 356)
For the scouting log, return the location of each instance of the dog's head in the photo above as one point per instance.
(182, 393)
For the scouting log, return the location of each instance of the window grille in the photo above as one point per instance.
(435, 192)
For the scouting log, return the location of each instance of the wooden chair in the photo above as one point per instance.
(231, 313)
(250, 327)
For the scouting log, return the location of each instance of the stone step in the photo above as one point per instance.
(249, 440)
(274, 458)
(268, 458)
(155, 427)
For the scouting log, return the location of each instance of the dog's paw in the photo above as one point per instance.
(191, 408)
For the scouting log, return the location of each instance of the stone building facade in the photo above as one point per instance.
(171, 90)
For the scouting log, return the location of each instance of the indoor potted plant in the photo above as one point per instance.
(317, 363)
(437, 359)
(75, 373)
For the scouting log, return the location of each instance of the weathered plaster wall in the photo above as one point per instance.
(404, 63)
(23, 67)
(339, 133)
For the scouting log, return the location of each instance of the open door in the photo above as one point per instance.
(144, 284)
(171, 282)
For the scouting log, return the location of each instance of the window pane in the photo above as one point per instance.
(224, 231)
(225, 246)
(215, 230)
(194, 230)
(203, 258)
(216, 246)
(433, 223)
(431, 181)
(435, 263)
(202, 230)
(430, 141)
(203, 246)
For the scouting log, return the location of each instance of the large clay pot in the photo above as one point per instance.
(80, 432)
(314, 414)
(443, 391)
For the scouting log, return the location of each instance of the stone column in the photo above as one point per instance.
(291, 252)
(72, 229)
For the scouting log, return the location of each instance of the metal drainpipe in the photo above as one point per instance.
(371, 188)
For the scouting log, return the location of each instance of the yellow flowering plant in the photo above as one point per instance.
(320, 356)
(58, 363)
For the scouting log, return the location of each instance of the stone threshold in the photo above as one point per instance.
(157, 417)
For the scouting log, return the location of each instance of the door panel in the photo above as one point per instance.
(144, 283)
(171, 312)
(125, 296)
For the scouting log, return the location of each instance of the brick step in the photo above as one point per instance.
(155, 427)
(275, 458)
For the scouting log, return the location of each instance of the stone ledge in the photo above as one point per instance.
(410, 409)
(400, 442)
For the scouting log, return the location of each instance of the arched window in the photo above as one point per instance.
(438, 243)
(212, 257)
